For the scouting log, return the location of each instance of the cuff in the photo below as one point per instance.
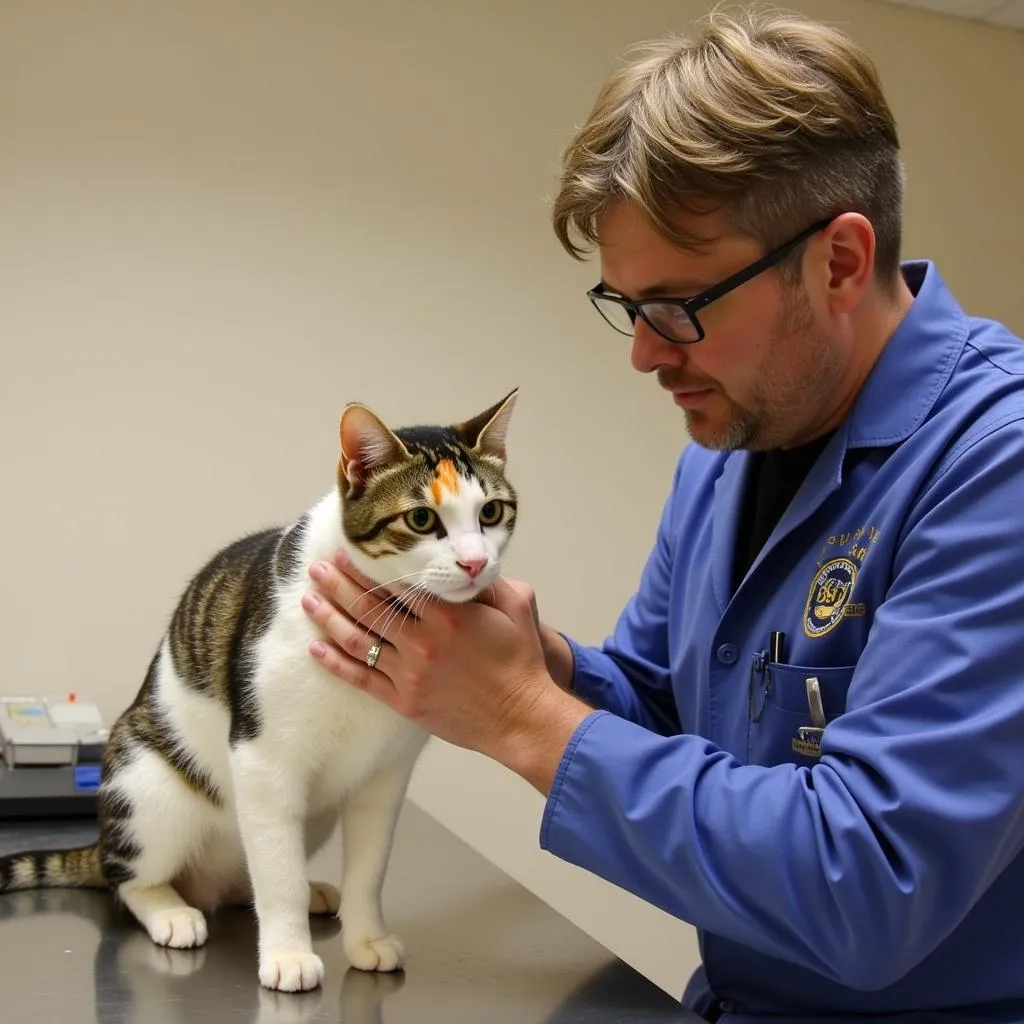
(563, 770)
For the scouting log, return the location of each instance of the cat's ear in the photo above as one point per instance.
(367, 445)
(486, 432)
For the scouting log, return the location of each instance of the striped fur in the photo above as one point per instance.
(240, 755)
(52, 869)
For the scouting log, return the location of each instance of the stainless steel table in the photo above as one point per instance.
(481, 949)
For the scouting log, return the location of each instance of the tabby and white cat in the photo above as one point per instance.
(241, 752)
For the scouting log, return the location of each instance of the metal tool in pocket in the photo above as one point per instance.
(808, 737)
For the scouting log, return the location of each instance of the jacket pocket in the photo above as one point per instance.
(781, 707)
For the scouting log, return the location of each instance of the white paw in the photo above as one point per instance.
(324, 898)
(291, 972)
(179, 927)
(384, 954)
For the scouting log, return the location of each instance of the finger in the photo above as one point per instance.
(349, 670)
(513, 597)
(346, 593)
(349, 638)
(348, 567)
(375, 598)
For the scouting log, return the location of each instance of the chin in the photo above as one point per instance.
(461, 593)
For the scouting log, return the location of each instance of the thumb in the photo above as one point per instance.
(513, 597)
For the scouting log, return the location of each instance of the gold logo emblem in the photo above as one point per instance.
(828, 596)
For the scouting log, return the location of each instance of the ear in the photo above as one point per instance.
(850, 241)
(367, 445)
(486, 433)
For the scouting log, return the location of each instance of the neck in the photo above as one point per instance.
(870, 327)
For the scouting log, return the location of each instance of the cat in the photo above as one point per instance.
(241, 753)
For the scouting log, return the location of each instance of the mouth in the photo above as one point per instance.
(691, 398)
(458, 595)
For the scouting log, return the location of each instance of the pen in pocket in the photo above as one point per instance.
(808, 737)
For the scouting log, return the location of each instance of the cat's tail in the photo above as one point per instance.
(52, 869)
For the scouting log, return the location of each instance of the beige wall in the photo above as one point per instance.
(221, 222)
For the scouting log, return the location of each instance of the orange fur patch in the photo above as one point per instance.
(446, 478)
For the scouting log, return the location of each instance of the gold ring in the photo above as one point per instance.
(371, 658)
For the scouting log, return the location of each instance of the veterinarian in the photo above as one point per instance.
(805, 734)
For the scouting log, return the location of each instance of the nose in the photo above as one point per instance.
(651, 351)
(473, 565)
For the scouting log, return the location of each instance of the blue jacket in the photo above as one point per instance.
(881, 872)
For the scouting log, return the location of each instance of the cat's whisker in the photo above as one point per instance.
(381, 586)
(392, 602)
(381, 612)
(396, 579)
(422, 591)
(420, 602)
(426, 600)
(397, 611)
(386, 613)
(393, 610)
(410, 611)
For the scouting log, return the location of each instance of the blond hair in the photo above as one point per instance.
(776, 119)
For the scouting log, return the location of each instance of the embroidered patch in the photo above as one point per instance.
(828, 596)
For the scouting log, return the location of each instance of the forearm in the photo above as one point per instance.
(533, 745)
(750, 854)
(616, 678)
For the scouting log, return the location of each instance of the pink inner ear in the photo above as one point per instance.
(366, 445)
(354, 472)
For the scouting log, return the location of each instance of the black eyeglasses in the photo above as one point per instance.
(676, 319)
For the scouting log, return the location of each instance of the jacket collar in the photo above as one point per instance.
(914, 366)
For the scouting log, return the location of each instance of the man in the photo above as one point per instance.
(806, 732)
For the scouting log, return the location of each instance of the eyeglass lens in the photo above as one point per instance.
(670, 320)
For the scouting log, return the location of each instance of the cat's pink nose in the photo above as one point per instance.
(473, 566)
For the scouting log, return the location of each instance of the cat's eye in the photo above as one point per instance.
(422, 520)
(490, 514)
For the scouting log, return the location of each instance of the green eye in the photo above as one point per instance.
(421, 520)
(490, 514)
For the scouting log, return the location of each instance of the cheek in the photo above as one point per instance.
(736, 356)
(740, 330)
(420, 556)
(496, 541)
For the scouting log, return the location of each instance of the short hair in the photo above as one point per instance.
(778, 120)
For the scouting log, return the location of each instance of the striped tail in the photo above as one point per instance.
(52, 869)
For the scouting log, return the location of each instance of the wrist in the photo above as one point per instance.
(558, 657)
(533, 746)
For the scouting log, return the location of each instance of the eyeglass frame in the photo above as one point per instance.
(691, 306)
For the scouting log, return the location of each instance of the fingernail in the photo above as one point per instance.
(342, 560)
(317, 649)
(318, 570)
(310, 602)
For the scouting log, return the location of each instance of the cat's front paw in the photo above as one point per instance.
(324, 898)
(383, 954)
(291, 971)
(177, 927)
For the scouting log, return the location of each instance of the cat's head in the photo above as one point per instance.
(428, 506)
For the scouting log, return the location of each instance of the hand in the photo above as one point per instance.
(472, 674)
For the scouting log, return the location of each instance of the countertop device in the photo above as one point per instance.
(52, 749)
